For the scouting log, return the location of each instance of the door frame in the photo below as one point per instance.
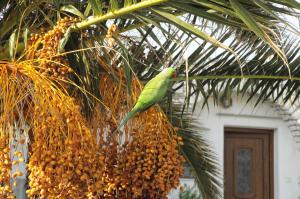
(270, 133)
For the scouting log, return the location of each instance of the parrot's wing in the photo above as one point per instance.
(142, 105)
(152, 93)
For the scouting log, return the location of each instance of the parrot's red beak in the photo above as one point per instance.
(174, 75)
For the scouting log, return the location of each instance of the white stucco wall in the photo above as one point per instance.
(20, 189)
(241, 114)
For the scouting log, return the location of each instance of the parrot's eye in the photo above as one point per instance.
(174, 75)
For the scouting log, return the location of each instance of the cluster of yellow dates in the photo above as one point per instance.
(44, 47)
(65, 161)
(145, 162)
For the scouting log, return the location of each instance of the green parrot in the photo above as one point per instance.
(153, 92)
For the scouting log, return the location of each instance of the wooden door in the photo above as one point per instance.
(248, 164)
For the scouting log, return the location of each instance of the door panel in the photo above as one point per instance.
(248, 162)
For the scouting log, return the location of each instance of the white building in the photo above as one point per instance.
(258, 148)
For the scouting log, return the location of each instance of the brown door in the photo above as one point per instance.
(248, 164)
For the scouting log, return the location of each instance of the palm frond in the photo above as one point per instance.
(263, 73)
(266, 19)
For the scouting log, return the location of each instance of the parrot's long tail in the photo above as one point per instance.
(129, 115)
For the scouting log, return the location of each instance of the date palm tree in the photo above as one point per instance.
(216, 46)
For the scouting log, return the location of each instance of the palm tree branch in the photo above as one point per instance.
(117, 13)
